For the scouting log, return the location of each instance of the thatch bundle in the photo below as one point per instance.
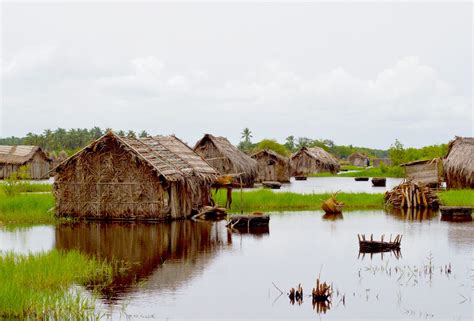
(411, 195)
(272, 166)
(13, 157)
(459, 163)
(358, 159)
(128, 178)
(227, 159)
(310, 160)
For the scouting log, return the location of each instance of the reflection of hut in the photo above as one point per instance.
(427, 172)
(386, 161)
(13, 157)
(128, 178)
(227, 159)
(170, 252)
(272, 166)
(459, 163)
(358, 159)
(313, 160)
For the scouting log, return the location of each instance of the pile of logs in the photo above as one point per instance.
(210, 213)
(411, 195)
(256, 219)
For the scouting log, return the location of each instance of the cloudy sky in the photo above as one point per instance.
(360, 73)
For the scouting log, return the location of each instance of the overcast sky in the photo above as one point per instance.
(362, 74)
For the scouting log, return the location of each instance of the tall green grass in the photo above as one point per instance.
(40, 286)
(27, 209)
(266, 200)
(460, 197)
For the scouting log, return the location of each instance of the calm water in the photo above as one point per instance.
(201, 270)
(334, 184)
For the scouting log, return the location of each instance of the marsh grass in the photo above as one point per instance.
(27, 209)
(266, 200)
(460, 197)
(41, 286)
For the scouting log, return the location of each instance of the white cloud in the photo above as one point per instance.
(408, 96)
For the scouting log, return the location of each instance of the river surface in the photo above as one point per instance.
(334, 184)
(190, 270)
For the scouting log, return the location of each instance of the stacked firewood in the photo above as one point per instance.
(411, 195)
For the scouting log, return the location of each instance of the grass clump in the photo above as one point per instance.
(40, 286)
(27, 209)
(266, 200)
(460, 197)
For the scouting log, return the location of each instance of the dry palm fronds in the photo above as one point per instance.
(321, 292)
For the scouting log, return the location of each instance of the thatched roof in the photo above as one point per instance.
(319, 154)
(270, 153)
(242, 163)
(356, 155)
(168, 156)
(459, 163)
(20, 154)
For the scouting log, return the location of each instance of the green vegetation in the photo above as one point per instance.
(272, 145)
(399, 154)
(26, 209)
(462, 197)
(40, 286)
(266, 200)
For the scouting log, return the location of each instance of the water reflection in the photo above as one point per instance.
(332, 217)
(413, 214)
(168, 253)
(257, 232)
(389, 253)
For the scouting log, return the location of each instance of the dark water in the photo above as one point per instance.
(201, 270)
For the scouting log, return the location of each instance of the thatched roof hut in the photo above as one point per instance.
(377, 161)
(128, 178)
(358, 159)
(310, 160)
(459, 163)
(272, 166)
(227, 159)
(13, 157)
(428, 172)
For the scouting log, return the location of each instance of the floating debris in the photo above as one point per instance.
(371, 246)
(322, 292)
(256, 219)
(361, 179)
(456, 213)
(300, 178)
(272, 185)
(379, 181)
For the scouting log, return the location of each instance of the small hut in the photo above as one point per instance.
(358, 159)
(151, 178)
(272, 166)
(377, 161)
(459, 163)
(13, 157)
(227, 159)
(313, 160)
(427, 172)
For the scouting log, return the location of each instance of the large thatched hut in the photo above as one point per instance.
(310, 160)
(128, 178)
(13, 157)
(272, 166)
(358, 159)
(428, 172)
(227, 159)
(459, 163)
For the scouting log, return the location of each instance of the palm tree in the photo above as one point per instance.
(246, 135)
